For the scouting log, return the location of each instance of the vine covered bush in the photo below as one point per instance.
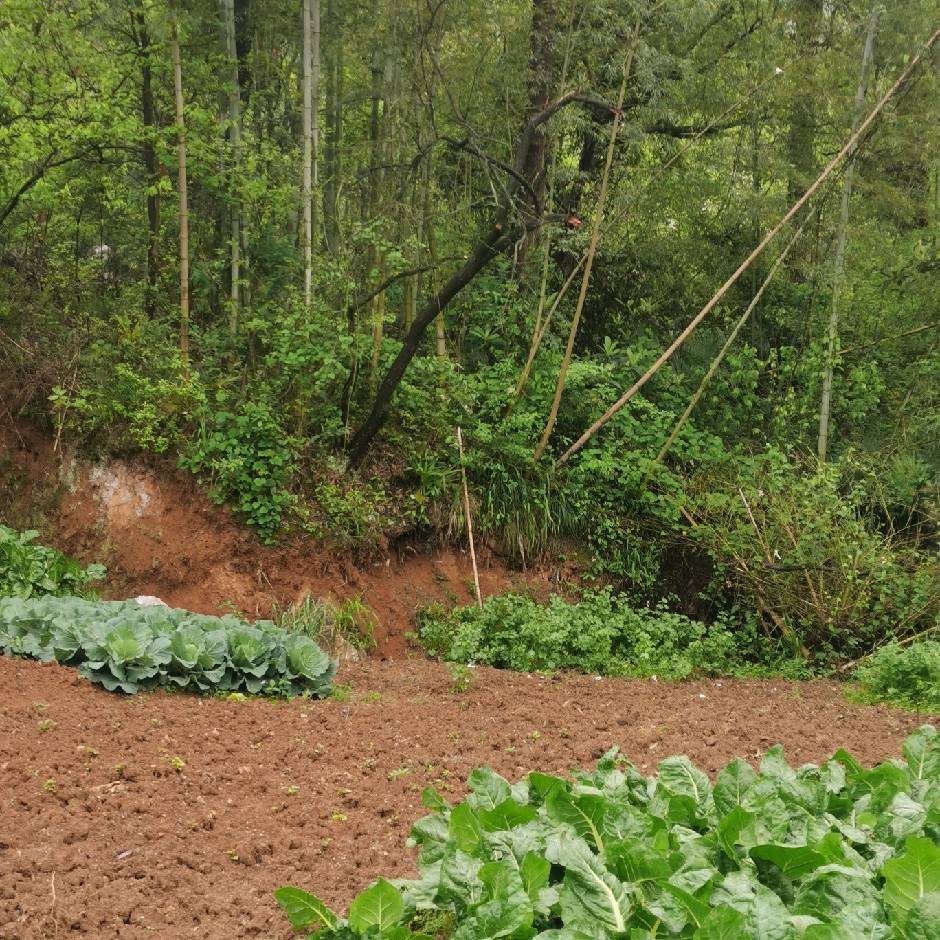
(29, 570)
(601, 633)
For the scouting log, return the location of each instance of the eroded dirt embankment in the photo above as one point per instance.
(160, 534)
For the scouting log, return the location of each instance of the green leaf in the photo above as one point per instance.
(488, 789)
(584, 813)
(923, 919)
(464, 830)
(731, 785)
(506, 816)
(380, 906)
(591, 895)
(922, 752)
(911, 876)
(682, 778)
(723, 923)
(304, 909)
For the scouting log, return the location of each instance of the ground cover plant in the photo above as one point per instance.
(29, 570)
(831, 852)
(908, 675)
(601, 633)
(126, 647)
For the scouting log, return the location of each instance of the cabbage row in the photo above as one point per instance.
(835, 852)
(126, 647)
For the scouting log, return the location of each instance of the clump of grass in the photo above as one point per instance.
(326, 621)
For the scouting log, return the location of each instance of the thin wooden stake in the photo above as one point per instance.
(466, 510)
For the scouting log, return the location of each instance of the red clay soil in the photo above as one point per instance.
(174, 816)
(159, 533)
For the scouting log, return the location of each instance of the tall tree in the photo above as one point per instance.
(183, 187)
(235, 138)
(838, 272)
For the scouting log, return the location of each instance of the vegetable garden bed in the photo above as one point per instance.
(177, 816)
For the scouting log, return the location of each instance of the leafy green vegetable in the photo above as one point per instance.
(30, 570)
(126, 647)
(834, 852)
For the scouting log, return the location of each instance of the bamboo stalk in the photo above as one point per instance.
(752, 257)
(466, 510)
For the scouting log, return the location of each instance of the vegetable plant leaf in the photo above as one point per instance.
(911, 876)
(304, 909)
(379, 906)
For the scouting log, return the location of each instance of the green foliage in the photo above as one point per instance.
(129, 648)
(906, 675)
(835, 851)
(801, 547)
(325, 620)
(249, 460)
(601, 633)
(28, 569)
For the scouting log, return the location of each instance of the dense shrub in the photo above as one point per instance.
(602, 633)
(249, 460)
(904, 675)
(822, 853)
(798, 547)
(28, 569)
(126, 647)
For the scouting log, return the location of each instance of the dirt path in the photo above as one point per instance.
(174, 816)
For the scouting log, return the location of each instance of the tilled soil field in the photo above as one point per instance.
(173, 816)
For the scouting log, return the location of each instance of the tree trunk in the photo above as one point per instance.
(592, 249)
(485, 251)
(801, 138)
(183, 194)
(150, 161)
(334, 130)
(838, 273)
(307, 188)
(234, 120)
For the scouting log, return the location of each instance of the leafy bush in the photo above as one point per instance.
(794, 544)
(822, 853)
(126, 647)
(904, 675)
(602, 633)
(250, 461)
(27, 569)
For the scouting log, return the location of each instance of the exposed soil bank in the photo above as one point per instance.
(172, 816)
(160, 534)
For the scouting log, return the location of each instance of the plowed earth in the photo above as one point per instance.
(174, 816)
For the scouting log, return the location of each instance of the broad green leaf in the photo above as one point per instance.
(460, 882)
(923, 919)
(591, 896)
(304, 909)
(724, 923)
(380, 906)
(910, 876)
(922, 752)
(535, 872)
(636, 861)
(584, 813)
(488, 789)
(682, 778)
(845, 896)
(506, 816)
(464, 829)
(732, 783)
